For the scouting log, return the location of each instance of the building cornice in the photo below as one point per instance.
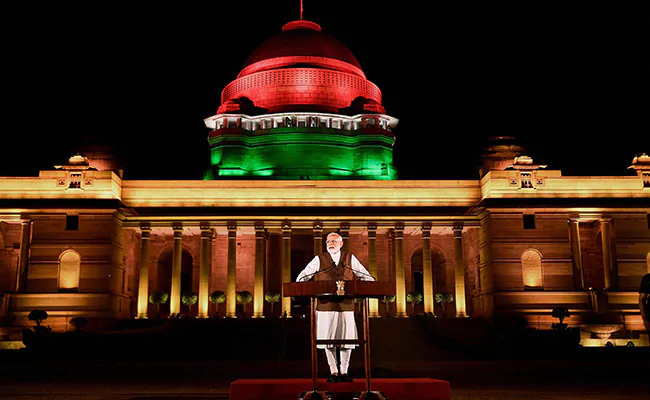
(496, 188)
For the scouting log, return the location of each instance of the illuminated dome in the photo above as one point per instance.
(301, 108)
(300, 69)
(301, 42)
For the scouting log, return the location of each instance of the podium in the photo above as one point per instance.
(332, 290)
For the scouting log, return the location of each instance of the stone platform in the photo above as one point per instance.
(290, 389)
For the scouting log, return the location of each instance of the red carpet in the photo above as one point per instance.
(290, 389)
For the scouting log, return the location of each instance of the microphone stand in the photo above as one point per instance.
(308, 277)
(354, 271)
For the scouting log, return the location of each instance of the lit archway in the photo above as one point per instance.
(531, 269)
(69, 268)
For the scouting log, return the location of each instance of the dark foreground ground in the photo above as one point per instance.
(202, 380)
(181, 363)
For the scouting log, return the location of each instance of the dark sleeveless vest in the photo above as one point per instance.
(340, 272)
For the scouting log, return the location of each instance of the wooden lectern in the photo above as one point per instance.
(339, 289)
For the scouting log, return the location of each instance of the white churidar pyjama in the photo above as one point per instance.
(332, 325)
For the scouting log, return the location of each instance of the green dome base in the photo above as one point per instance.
(302, 153)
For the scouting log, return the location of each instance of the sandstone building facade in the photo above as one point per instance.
(301, 146)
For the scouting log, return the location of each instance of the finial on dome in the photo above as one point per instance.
(301, 23)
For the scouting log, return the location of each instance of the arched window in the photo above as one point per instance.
(531, 269)
(69, 265)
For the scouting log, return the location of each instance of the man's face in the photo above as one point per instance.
(334, 243)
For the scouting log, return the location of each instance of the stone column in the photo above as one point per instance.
(576, 252)
(286, 265)
(390, 239)
(177, 264)
(205, 269)
(143, 280)
(372, 265)
(459, 273)
(345, 234)
(608, 261)
(231, 280)
(318, 238)
(258, 288)
(427, 270)
(400, 281)
(23, 263)
(486, 275)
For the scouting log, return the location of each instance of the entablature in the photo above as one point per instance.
(291, 193)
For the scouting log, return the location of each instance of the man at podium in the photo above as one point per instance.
(335, 318)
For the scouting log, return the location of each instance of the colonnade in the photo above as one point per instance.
(395, 247)
(397, 266)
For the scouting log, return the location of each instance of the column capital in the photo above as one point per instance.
(344, 229)
(426, 230)
(177, 227)
(372, 230)
(399, 230)
(318, 226)
(458, 230)
(286, 229)
(259, 230)
(145, 226)
(232, 230)
(204, 225)
(207, 234)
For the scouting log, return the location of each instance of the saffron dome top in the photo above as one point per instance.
(301, 69)
(301, 42)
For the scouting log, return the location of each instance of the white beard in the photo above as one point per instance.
(332, 252)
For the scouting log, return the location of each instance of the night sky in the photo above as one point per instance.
(571, 82)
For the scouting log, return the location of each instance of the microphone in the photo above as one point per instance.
(308, 277)
(354, 271)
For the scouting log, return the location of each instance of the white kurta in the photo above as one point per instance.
(335, 324)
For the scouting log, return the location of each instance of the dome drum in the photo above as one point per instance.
(292, 153)
(301, 88)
